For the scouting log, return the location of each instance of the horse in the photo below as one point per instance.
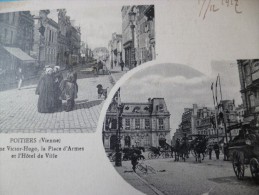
(199, 147)
(181, 150)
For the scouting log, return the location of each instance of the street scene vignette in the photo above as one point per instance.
(58, 66)
(181, 129)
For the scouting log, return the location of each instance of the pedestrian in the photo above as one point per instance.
(122, 65)
(225, 149)
(58, 77)
(20, 77)
(45, 90)
(210, 151)
(216, 149)
(134, 160)
(69, 90)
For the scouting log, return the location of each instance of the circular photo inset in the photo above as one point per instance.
(171, 129)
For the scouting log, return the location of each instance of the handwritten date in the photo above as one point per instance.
(215, 5)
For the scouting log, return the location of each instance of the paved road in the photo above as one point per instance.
(116, 72)
(18, 110)
(209, 177)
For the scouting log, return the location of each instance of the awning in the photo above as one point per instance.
(18, 53)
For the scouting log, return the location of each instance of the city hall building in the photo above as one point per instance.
(143, 124)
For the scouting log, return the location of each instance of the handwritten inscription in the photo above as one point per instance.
(210, 6)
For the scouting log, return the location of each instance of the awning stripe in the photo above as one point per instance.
(17, 52)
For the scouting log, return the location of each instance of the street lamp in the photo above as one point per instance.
(132, 16)
(118, 135)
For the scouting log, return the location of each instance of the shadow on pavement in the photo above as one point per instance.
(247, 181)
(82, 104)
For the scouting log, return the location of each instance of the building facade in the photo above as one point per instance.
(115, 50)
(138, 34)
(42, 42)
(63, 38)
(16, 42)
(249, 81)
(143, 124)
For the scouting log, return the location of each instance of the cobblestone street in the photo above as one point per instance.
(212, 177)
(18, 110)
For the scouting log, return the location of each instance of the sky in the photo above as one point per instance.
(97, 23)
(181, 86)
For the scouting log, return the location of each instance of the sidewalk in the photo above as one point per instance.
(116, 72)
(135, 180)
(18, 113)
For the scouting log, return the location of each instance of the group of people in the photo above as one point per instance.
(214, 147)
(53, 88)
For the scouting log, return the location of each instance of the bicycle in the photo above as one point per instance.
(142, 167)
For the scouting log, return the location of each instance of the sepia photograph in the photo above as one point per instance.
(58, 66)
(182, 128)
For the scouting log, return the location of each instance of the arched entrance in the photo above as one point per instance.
(127, 141)
(113, 141)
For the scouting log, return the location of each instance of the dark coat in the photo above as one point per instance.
(46, 92)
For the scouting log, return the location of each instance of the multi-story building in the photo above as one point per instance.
(63, 39)
(249, 81)
(143, 124)
(51, 40)
(16, 41)
(138, 34)
(205, 121)
(196, 120)
(115, 50)
(186, 123)
(46, 39)
(74, 44)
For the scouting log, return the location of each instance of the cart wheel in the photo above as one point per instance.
(254, 168)
(150, 154)
(238, 165)
(167, 155)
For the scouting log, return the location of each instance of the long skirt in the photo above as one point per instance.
(46, 91)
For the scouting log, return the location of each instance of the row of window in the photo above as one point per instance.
(112, 124)
(50, 55)
(51, 36)
(8, 17)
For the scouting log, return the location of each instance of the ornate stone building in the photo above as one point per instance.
(138, 34)
(143, 124)
(249, 81)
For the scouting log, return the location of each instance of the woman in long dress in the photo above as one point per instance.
(58, 77)
(46, 92)
(69, 89)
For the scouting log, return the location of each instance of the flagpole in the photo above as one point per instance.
(216, 122)
(220, 89)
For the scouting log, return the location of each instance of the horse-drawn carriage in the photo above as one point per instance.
(164, 150)
(128, 152)
(244, 152)
(198, 145)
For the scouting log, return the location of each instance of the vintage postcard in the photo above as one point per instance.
(129, 97)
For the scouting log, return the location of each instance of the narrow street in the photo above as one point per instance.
(209, 177)
(19, 113)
